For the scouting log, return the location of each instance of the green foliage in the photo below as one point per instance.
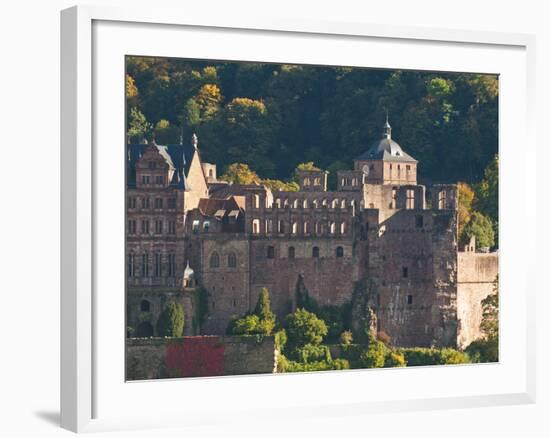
(280, 339)
(374, 355)
(240, 173)
(311, 353)
(277, 116)
(486, 349)
(304, 328)
(481, 227)
(433, 356)
(346, 338)
(138, 126)
(487, 191)
(261, 322)
(201, 303)
(170, 322)
(465, 206)
(394, 359)
(275, 184)
(247, 325)
(289, 366)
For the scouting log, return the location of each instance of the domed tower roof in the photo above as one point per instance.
(386, 149)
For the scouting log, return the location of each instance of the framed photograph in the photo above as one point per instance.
(320, 217)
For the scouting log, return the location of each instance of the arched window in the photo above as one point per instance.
(306, 227)
(332, 227)
(281, 227)
(315, 203)
(291, 252)
(306, 181)
(295, 203)
(231, 260)
(335, 203)
(270, 252)
(294, 227)
(278, 202)
(315, 252)
(256, 226)
(285, 202)
(215, 260)
(145, 306)
(210, 173)
(343, 203)
(256, 201)
(343, 228)
(339, 251)
(324, 203)
(304, 203)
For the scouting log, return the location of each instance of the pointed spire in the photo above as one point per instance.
(387, 127)
(195, 140)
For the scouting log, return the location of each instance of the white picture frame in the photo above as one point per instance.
(86, 402)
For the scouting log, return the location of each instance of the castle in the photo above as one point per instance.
(186, 229)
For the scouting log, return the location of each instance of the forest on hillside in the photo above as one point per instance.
(273, 117)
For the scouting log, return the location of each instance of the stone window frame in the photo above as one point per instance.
(171, 265)
(159, 203)
(339, 251)
(270, 252)
(159, 225)
(145, 306)
(231, 260)
(145, 264)
(131, 265)
(315, 252)
(145, 226)
(214, 260)
(157, 271)
(291, 252)
(132, 226)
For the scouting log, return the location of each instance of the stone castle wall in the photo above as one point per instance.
(477, 273)
(199, 356)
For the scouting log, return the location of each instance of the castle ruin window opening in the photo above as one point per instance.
(145, 306)
(214, 260)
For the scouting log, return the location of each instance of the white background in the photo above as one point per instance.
(29, 96)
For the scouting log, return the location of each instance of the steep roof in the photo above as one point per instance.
(177, 156)
(386, 149)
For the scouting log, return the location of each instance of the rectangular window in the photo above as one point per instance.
(132, 202)
(206, 226)
(145, 265)
(152, 165)
(172, 227)
(144, 202)
(158, 203)
(419, 221)
(171, 265)
(410, 199)
(159, 179)
(144, 227)
(158, 265)
(409, 299)
(131, 265)
(405, 272)
(172, 203)
(196, 226)
(132, 227)
(145, 179)
(158, 227)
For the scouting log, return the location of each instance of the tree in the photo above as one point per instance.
(481, 227)
(465, 200)
(375, 354)
(487, 191)
(139, 127)
(261, 322)
(309, 165)
(240, 173)
(171, 321)
(304, 327)
(489, 319)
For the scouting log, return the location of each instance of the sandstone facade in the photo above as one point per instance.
(379, 225)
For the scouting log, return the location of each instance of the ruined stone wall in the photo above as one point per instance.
(199, 356)
(413, 264)
(328, 278)
(227, 286)
(476, 276)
